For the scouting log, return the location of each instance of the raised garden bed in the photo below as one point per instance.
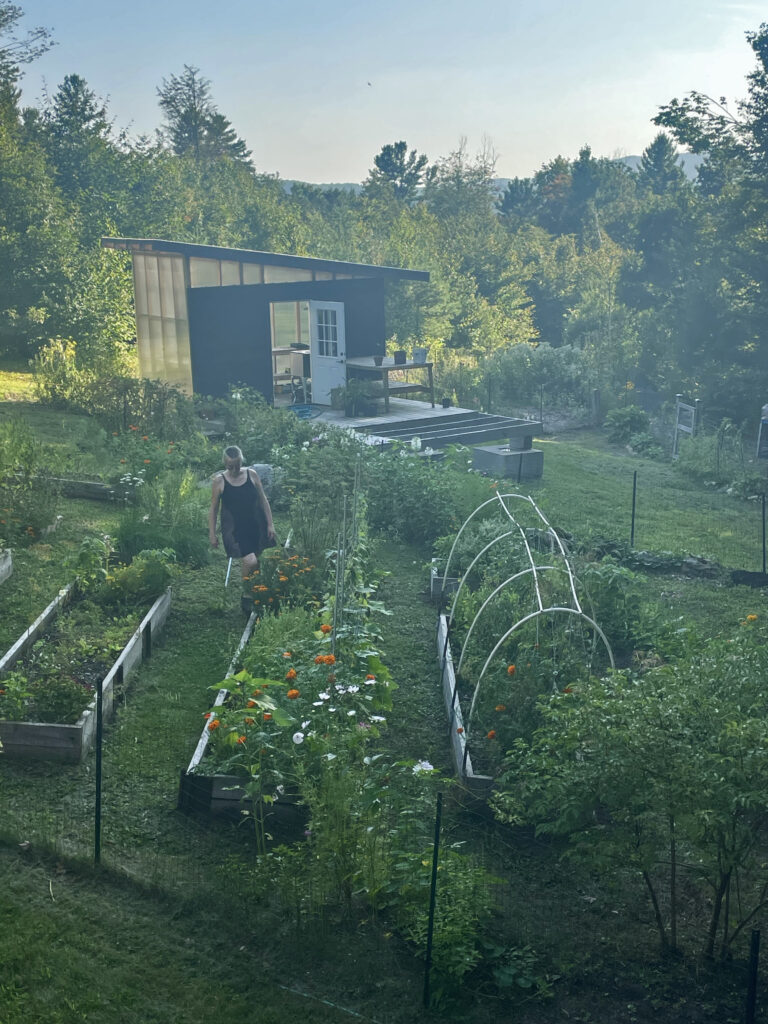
(223, 794)
(70, 743)
(6, 564)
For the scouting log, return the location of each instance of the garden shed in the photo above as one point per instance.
(209, 316)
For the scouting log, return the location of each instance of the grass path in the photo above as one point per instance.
(206, 933)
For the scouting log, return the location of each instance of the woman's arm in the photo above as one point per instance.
(216, 490)
(262, 497)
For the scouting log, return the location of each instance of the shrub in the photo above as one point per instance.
(622, 423)
(169, 513)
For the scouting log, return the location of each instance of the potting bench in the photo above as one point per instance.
(367, 367)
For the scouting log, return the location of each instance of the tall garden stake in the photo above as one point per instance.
(754, 954)
(634, 503)
(97, 813)
(432, 893)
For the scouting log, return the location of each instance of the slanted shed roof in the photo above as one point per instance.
(277, 259)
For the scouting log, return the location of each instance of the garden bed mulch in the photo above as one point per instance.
(70, 743)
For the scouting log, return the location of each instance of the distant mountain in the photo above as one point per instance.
(689, 162)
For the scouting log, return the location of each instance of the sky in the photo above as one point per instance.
(317, 88)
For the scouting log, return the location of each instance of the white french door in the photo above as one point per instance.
(327, 349)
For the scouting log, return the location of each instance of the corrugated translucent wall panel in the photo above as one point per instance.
(230, 272)
(204, 273)
(162, 326)
(253, 273)
(276, 275)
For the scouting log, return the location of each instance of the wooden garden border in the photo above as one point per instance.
(223, 794)
(478, 785)
(70, 743)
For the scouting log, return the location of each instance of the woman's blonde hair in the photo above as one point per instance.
(233, 452)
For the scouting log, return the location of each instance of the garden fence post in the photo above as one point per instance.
(432, 898)
(754, 954)
(634, 503)
(97, 812)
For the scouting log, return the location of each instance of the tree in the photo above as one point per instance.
(705, 124)
(660, 171)
(193, 126)
(398, 169)
(15, 51)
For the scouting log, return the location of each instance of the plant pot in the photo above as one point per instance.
(399, 356)
(419, 355)
(378, 360)
(446, 403)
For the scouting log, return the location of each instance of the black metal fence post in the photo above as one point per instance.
(754, 955)
(97, 812)
(432, 900)
(634, 504)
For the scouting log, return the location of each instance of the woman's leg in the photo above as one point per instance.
(249, 565)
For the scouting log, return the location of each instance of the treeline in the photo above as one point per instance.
(604, 275)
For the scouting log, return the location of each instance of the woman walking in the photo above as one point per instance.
(246, 518)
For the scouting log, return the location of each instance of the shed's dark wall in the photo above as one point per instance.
(229, 340)
(229, 328)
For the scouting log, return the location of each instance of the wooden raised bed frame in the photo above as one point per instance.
(223, 794)
(70, 743)
(478, 785)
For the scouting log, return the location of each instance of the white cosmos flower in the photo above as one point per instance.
(352, 689)
(350, 713)
(305, 724)
(422, 766)
(324, 696)
(378, 718)
(298, 737)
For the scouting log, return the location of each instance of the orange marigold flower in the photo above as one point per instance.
(293, 694)
(510, 670)
(752, 618)
(251, 704)
(325, 628)
(250, 721)
(214, 724)
(283, 579)
(491, 734)
(286, 654)
(266, 716)
(330, 659)
(291, 673)
(147, 460)
(241, 739)
(501, 707)
(460, 730)
(319, 659)
(207, 714)
(369, 676)
(145, 438)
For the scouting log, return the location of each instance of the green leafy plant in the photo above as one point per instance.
(621, 423)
